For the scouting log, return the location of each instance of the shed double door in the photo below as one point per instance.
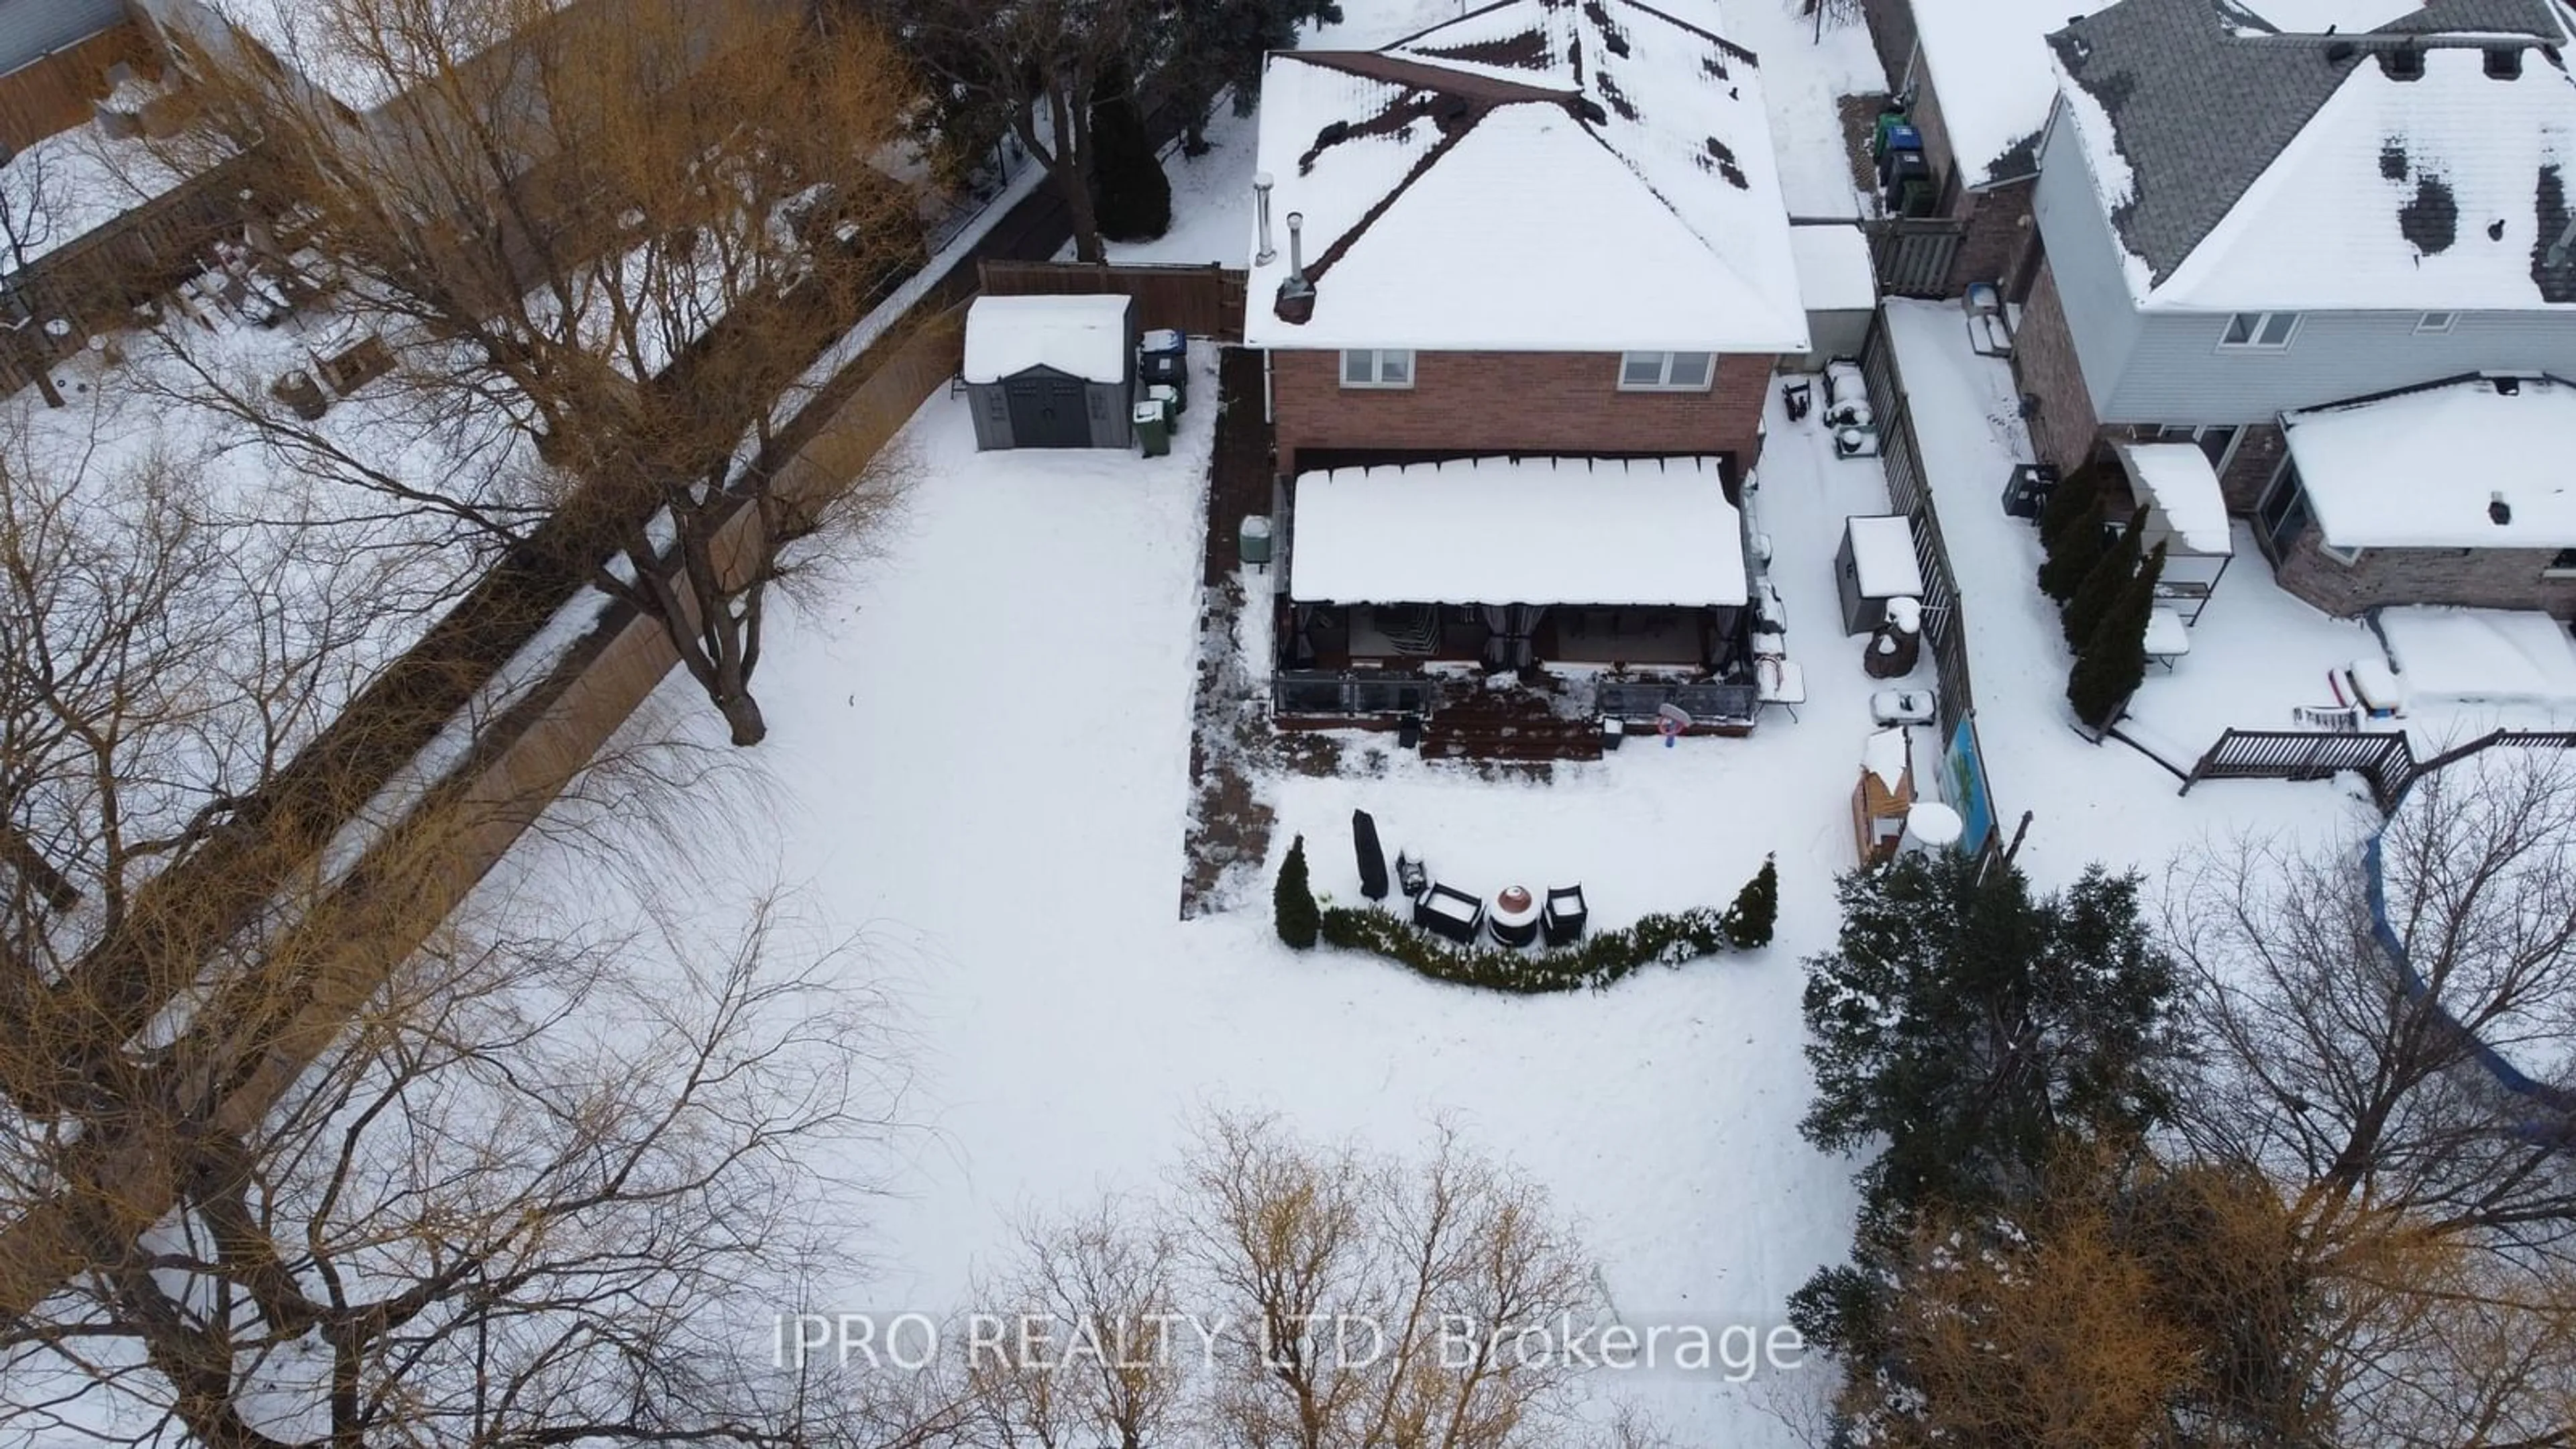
(1048, 412)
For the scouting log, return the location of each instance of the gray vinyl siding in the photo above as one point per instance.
(2175, 372)
(31, 28)
(2165, 367)
(2086, 260)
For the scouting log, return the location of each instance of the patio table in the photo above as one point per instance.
(2168, 638)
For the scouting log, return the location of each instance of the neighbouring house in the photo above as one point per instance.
(2241, 223)
(1975, 79)
(1547, 237)
(1051, 372)
(2454, 493)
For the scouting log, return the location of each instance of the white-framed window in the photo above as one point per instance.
(1377, 367)
(1666, 371)
(2216, 441)
(2562, 565)
(2436, 321)
(2258, 331)
(2345, 556)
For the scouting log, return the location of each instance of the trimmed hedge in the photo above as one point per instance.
(1594, 963)
(1292, 904)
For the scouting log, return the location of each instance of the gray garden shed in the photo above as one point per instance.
(1052, 372)
(1875, 564)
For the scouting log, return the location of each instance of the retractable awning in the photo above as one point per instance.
(1644, 532)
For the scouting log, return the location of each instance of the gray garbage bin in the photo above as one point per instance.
(1253, 539)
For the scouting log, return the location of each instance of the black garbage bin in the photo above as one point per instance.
(1164, 356)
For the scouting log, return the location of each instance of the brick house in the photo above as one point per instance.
(1534, 262)
(2244, 225)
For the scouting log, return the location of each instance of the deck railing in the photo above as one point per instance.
(1639, 699)
(2385, 759)
(1352, 692)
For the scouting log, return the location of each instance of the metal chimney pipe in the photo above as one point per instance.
(1261, 205)
(1296, 301)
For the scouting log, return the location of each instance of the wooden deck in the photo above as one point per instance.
(1507, 724)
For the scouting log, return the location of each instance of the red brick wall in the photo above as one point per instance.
(1515, 402)
(2485, 578)
(2045, 365)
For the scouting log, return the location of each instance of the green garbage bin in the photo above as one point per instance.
(1175, 399)
(1153, 429)
(1253, 539)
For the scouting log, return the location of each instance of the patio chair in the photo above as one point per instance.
(1411, 876)
(1450, 912)
(1561, 922)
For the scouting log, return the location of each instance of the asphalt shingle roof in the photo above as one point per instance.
(2203, 101)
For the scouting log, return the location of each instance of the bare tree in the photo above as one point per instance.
(628, 227)
(157, 673)
(1115, 1365)
(29, 200)
(2327, 1066)
(547, 1190)
(1290, 1294)
(2430, 1210)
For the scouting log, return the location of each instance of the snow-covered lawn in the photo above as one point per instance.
(980, 755)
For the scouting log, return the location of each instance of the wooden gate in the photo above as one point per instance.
(1913, 254)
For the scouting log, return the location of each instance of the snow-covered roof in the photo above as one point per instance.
(2399, 194)
(328, 44)
(2176, 480)
(2480, 656)
(1883, 557)
(1888, 755)
(1835, 273)
(1536, 175)
(2246, 171)
(1084, 337)
(1989, 67)
(1518, 531)
(2423, 469)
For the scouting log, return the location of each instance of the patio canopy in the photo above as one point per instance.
(2180, 490)
(1654, 531)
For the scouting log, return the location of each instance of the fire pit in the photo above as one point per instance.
(1513, 916)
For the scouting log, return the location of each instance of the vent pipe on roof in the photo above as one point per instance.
(1261, 206)
(2499, 512)
(1296, 301)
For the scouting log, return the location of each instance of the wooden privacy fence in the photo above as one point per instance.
(1203, 301)
(1912, 255)
(1945, 624)
(56, 91)
(94, 281)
